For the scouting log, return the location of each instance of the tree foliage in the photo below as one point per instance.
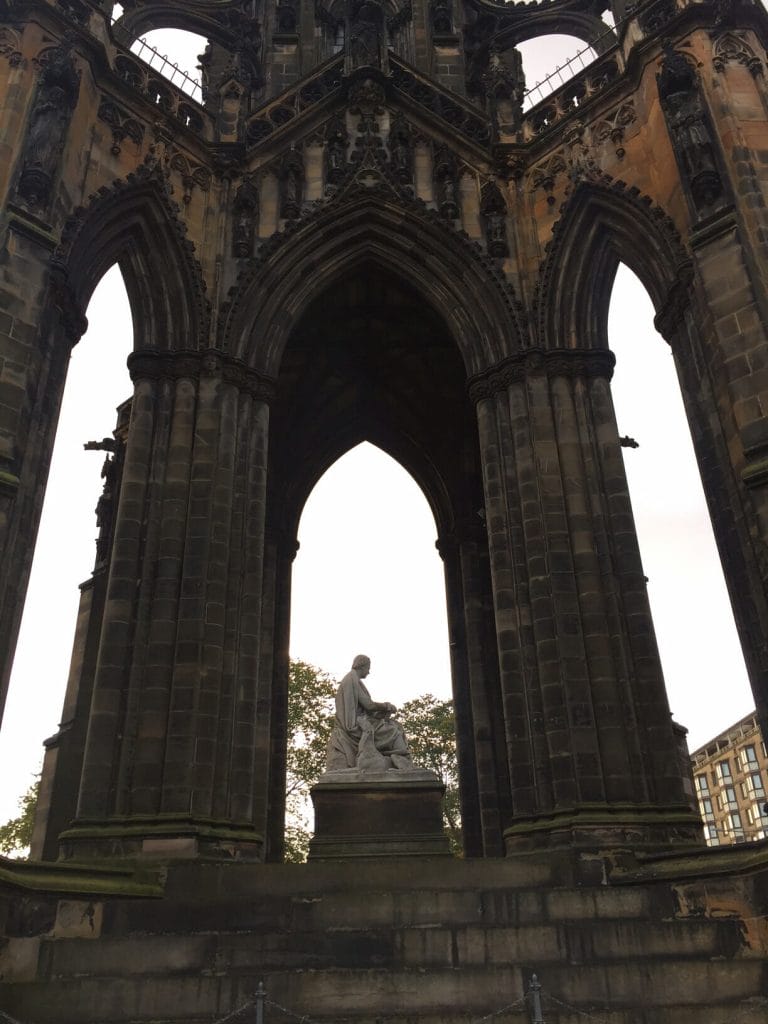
(310, 720)
(430, 727)
(16, 834)
(428, 724)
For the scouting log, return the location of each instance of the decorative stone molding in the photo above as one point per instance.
(585, 363)
(122, 124)
(10, 47)
(677, 302)
(148, 184)
(73, 319)
(191, 175)
(54, 105)
(148, 364)
(613, 127)
(732, 48)
(690, 131)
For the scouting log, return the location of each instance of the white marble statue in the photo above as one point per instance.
(365, 736)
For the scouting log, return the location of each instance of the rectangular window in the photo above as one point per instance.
(706, 808)
(711, 836)
(756, 784)
(724, 771)
(729, 799)
(748, 758)
(701, 784)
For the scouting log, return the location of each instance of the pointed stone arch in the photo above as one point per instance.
(450, 272)
(603, 223)
(134, 223)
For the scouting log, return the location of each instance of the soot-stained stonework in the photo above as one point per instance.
(364, 228)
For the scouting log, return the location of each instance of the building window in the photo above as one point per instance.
(706, 808)
(724, 771)
(748, 758)
(711, 836)
(753, 785)
(736, 827)
(702, 785)
(727, 799)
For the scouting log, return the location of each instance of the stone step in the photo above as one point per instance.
(611, 993)
(426, 946)
(377, 908)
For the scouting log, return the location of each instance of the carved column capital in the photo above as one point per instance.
(153, 364)
(562, 362)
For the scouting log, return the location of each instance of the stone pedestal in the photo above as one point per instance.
(378, 814)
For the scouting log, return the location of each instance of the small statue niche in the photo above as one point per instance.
(494, 213)
(401, 150)
(54, 105)
(441, 17)
(689, 129)
(504, 85)
(446, 180)
(245, 211)
(366, 35)
(287, 18)
(336, 146)
(291, 185)
(107, 504)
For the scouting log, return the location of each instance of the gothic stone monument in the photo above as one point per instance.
(370, 169)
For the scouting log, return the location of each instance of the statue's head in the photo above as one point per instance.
(362, 662)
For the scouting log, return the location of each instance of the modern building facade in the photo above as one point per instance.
(730, 775)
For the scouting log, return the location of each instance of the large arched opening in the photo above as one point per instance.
(371, 360)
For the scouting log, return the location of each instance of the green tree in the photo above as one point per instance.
(16, 834)
(430, 726)
(310, 720)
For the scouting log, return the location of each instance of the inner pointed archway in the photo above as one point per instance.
(371, 360)
(368, 577)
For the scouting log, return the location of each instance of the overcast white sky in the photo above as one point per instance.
(367, 577)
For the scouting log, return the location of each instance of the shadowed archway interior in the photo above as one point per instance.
(370, 360)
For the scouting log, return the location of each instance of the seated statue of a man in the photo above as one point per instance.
(364, 735)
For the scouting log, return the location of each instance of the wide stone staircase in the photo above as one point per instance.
(388, 942)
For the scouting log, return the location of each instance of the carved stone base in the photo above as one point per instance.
(378, 814)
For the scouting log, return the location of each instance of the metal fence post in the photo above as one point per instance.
(261, 993)
(534, 991)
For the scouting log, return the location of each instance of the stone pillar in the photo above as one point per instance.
(170, 761)
(590, 742)
(280, 551)
(484, 785)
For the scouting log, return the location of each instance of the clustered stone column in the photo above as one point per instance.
(172, 755)
(590, 746)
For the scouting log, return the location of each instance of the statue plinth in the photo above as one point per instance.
(378, 814)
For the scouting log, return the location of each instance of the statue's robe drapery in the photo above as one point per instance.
(353, 705)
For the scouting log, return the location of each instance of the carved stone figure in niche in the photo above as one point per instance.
(55, 102)
(504, 85)
(689, 128)
(336, 143)
(291, 185)
(246, 214)
(366, 35)
(365, 736)
(204, 60)
(105, 507)
(287, 17)
(400, 150)
(441, 17)
(494, 213)
(446, 183)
